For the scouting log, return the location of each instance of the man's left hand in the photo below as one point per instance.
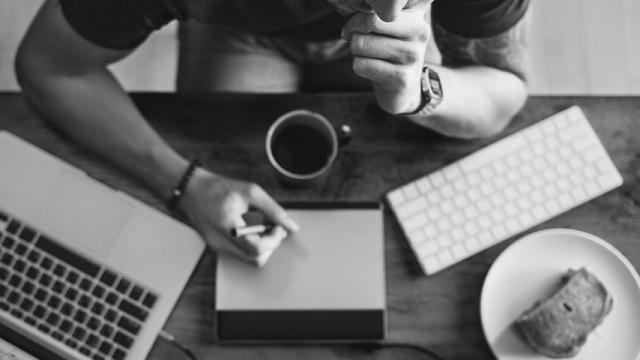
(391, 55)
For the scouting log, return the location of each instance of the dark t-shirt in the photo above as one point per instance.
(124, 24)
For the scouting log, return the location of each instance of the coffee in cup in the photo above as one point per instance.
(302, 145)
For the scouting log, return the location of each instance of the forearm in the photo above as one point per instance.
(95, 111)
(478, 102)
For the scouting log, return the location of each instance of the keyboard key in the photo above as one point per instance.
(134, 310)
(84, 301)
(119, 354)
(136, 293)
(71, 294)
(65, 325)
(97, 308)
(40, 311)
(108, 278)
(21, 249)
(123, 340)
(13, 227)
(28, 287)
(85, 284)
(53, 319)
(111, 315)
(59, 287)
(92, 340)
(97, 357)
(8, 242)
(123, 285)
(105, 347)
(4, 273)
(26, 304)
(396, 197)
(459, 251)
(129, 325)
(71, 343)
(32, 273)
(15, 280)
(67, 309)
(410, 191)
(46, 263)
(445, 258)
(113, 297)
(7, 259)
(3, 217)
(79, 333)
(30, 320)
(17, 313)
(85, 350)
(27, 234)
(80, 316)
(57, 335)
(431, 265)
(427, 248)
(45, 280)
(14, 297)
(44, 328)
(98, 291)
(72, 277)
(54, 302)
(412, 207)
(59, 270)
(106, 331)
(68, 256)
(415, 222)
(94, 323)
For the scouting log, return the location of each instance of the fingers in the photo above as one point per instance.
(380, 71)
(410, 24)
(387, 10)
(257, 244)
(384, 48)
(252, 249)
(257, 197)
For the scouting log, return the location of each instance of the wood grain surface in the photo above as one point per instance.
(441, 312)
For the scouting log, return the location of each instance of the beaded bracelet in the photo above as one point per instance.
(178, 191)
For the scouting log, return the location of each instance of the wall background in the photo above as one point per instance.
(578, 47)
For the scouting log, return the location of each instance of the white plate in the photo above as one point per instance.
(530, 269)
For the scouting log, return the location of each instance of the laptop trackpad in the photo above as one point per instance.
(85, 213)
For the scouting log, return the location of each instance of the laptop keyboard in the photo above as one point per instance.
(66, 296)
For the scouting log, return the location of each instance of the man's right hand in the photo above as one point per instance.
(215, 204)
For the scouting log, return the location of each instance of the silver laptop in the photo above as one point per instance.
(86, 272)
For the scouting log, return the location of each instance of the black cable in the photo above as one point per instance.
(366, 346)
(372, 346)
(172, 339)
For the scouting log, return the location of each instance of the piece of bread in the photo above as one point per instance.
(558, 326)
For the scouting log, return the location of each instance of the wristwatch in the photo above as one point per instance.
(431, 92)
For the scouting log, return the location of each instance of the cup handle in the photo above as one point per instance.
(345, 134)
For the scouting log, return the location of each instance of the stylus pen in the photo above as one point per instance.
(250, 230)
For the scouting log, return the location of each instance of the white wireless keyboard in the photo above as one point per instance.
(503, 189)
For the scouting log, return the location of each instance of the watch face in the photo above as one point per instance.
(435, 85)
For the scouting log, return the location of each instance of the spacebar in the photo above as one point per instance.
(492, 152)
(68, 256)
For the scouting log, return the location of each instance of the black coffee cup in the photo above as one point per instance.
(302, 145)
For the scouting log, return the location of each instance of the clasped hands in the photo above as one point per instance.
(388, 44)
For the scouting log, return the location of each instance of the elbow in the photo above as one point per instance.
(25, 69)
(505, 109)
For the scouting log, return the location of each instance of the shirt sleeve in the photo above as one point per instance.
(478, 18)
(505, 51)
(118, 24)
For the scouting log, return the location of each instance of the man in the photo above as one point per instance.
(62, 67)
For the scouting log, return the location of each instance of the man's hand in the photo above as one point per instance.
(215, 204)
(391, 54)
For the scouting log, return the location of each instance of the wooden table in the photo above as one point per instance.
(441, 312)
